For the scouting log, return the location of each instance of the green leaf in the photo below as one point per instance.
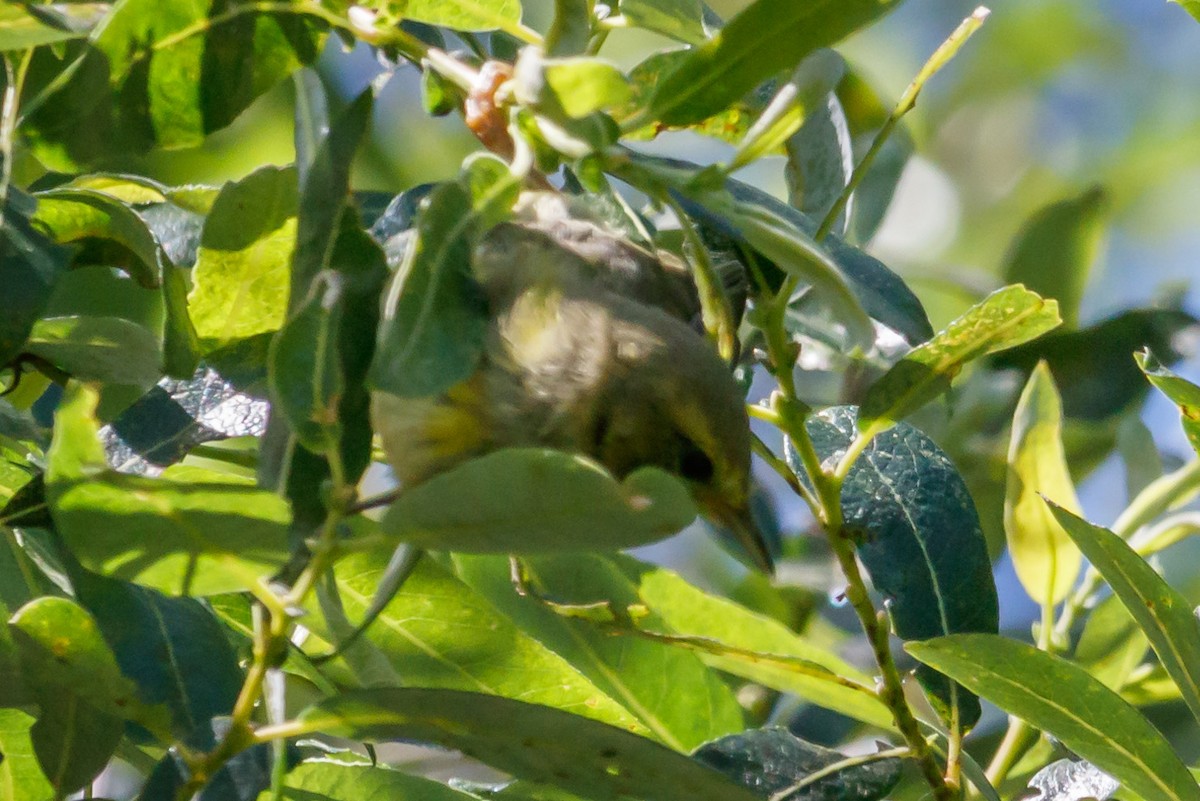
(189, 85)
(682, 20)
(190, 529)
(536, 500)
(918, 535)
(789, 247)
(305, 372)
(241, 777)
(865, 114)
(1092, 367)
(820, 158)
(439, 632)
(583, 85)
(1003, 319)
(800, 99)
(570, 31)
(1046, 561)
(332, 781)
(1061, 699)
(22, 28)
(21, 778)
(759, 648)
(628, 669)
(1111, 645)
(79, 215)
(1190, 6)
(766, 38)
(74, 678)
(1163, 614)
(108, 349)
(771, 761)
(1180, 391)
(30, 266)
(882, 293)
(1071, 780)
(173, 649)
(1055, 250)
(241, 279)
(459, 15)
(435, 316)
(531, 742)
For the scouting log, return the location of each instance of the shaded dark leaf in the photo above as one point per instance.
(30, 265)
(918, 535)
(769, 761)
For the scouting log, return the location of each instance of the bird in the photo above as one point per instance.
(591, 347)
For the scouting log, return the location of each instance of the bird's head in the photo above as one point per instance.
(672, 403)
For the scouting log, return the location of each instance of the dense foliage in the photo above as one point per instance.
(200, 589)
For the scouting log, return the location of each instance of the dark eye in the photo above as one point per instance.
(694, 465)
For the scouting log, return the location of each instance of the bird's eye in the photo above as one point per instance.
(694, 465)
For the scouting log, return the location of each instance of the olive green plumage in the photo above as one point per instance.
(590, 348)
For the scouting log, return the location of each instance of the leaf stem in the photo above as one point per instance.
(1009, 751)
(908, 100)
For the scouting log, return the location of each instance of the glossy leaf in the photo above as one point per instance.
(333, 781)
(241, 279)
(766, 38)
(1163, 614)
(30, 266)
(682, 20)
(533, 500)
(21, 778)
(191, 529)
(758, 648)
(108, 349)
(1046, 561)
(173, 649)
(1179, 390)
(82, 696)
(791, 248)
(1071, 780)
(881, 293)
(1055, 250)
(770, 761)
(631, 670)
(160, 427)
(1061, 699)
(434, 316)
(531, 742)
(918, 535)
(439, 632)
(1002, 320)
(1092, 366)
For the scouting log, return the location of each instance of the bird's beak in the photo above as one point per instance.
(741, 523)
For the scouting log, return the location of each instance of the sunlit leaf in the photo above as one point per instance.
(1179, 390)
(1046, 561)
(532, 500)
(21, 777)
(766, 38)
(532, 742)
(1002, 320)
(1163, 614)
(332, 781)
(1061, 699)
(629, 669)
(109, 349)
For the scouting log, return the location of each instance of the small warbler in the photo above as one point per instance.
(590, 348)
